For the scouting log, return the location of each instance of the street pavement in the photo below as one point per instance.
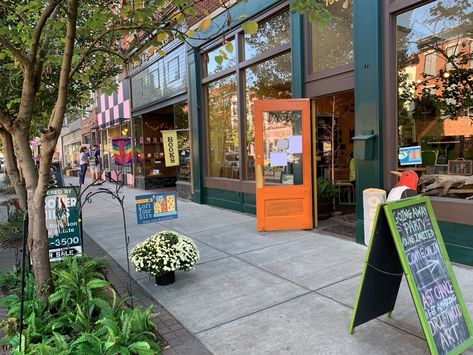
(288, 292)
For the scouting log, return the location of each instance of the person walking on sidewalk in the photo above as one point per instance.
(83, 162)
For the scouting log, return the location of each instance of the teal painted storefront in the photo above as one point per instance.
(369, 91)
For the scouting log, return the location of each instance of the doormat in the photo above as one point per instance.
(344, 230)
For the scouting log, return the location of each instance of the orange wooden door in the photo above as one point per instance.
(283, 164)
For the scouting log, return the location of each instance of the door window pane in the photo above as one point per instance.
(282, 140)
(267, 80)
(223, 139)
(332, 43)
(271, 34)
(212, 65)
(434, 101)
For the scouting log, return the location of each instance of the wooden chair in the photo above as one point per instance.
(344, 186)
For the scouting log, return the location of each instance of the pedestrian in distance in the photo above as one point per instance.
(83, 162)
(94, 163)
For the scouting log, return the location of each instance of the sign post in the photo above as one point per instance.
(406, 239)
(156, 207)
(62, 221)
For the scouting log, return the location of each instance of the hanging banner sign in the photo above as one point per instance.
(171, 151)
(122, 153)
(406, 240)
(156, 207)
(62, 221)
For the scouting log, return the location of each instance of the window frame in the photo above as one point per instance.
(447, 209)
(241, 184)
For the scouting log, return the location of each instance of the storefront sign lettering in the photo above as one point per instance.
(62, 222)
(171, 155)
(156, 207)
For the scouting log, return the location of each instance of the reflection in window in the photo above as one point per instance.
(434, 95)
(223, 139)
(267, 80)
(332, 43)
(181, 124)
(282, 141)
(271, 34)
(219, 58)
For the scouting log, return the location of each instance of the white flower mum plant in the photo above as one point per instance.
(163, 252)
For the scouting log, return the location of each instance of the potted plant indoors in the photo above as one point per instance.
(326, 192)
(163, 253)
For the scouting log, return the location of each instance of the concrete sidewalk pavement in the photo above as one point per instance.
(286, 292)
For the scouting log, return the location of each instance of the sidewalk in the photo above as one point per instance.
(264, 293)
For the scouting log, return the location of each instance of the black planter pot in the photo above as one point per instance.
(324, 208)
(165, 279)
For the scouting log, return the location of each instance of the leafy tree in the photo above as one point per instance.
(60, 51)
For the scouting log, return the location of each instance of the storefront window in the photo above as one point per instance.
(138, 146)
(271, 34)
(219, 58)
(435, 93)
(270, 79)
(181, 124)
(332, 43)
(223, 122)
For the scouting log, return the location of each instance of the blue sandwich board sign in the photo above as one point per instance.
(156, 207)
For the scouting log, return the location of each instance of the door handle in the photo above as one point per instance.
(259, 176)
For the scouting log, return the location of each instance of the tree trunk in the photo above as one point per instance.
(12, 168)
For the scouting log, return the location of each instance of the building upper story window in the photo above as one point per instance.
(332, 43)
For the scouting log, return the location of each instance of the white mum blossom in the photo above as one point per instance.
(165, 251)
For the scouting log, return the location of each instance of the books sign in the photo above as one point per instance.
(156, 207)
(171, 150)
(62, 222)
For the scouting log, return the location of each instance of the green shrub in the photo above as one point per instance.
(325, 189)
(83, 315)
(11, 232)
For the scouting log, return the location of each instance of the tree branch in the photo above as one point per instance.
(15, 52)
(38, 30)
(60, 107)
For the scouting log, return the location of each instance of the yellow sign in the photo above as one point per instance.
(171, 153)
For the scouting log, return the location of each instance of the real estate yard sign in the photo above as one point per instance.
(62, 221)
(156, 207)
(406, 239)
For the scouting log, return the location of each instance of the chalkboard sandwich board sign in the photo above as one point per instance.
(406, 239)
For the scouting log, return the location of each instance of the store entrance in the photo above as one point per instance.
(152, 170)
(333, 122)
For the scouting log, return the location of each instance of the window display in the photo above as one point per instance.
(435, 94)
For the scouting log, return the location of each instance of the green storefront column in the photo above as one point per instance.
(368, 98)
(297, 54)
(194, 94)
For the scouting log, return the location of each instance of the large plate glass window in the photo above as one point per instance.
(332, 41)
(223, 139)
(435, 95)
(270, 79)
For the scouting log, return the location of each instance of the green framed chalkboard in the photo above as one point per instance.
(406, 240)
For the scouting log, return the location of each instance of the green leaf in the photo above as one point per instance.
(250, 27)
(242, 16)
(139, 346)
(161, 36)
(229, 47)
(219, 59)
(97, 283)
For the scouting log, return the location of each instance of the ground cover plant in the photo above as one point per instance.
(83, 316)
